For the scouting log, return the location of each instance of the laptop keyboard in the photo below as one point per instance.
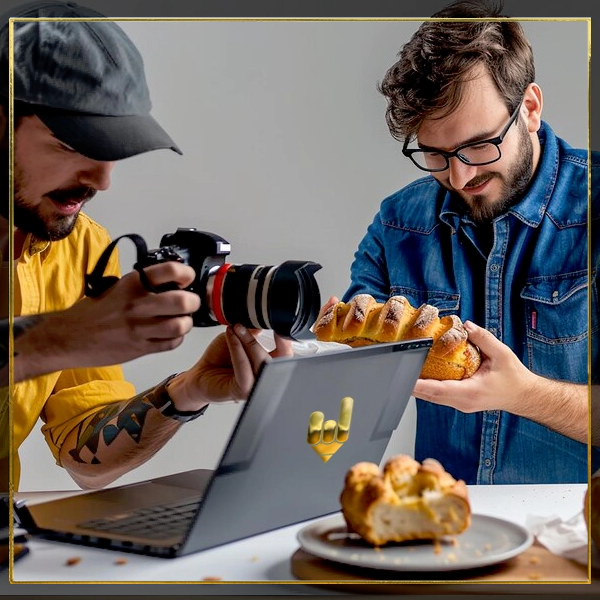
(159, 522)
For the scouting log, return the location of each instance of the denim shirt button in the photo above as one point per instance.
(487, 462)
(494, 268)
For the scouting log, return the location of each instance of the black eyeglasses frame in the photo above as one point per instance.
(496, 141)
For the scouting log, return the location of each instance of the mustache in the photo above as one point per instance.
(72, 195)
(476, 181)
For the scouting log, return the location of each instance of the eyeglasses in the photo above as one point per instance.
(479, 153)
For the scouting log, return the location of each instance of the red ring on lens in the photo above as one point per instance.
(216, 293)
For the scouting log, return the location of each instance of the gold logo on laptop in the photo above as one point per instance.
(327, 437)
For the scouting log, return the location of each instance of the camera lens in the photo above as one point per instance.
(284, 298)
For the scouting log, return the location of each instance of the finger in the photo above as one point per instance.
(344, 419)
(333, 300)
(160, 345)
(166, 304)
(434, 390)
(177, 302)
(465, 394)
(165, 328)
(283, 347)
(481, 337)
(329, 431)
(255, 353)
(242, 367)
(315, 424)
(170, 272)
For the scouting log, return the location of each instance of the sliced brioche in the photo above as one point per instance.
(406, 501)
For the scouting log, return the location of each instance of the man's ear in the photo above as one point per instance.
(533, 102)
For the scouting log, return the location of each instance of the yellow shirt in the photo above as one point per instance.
(50, 276)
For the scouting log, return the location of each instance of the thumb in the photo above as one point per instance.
(481, 337)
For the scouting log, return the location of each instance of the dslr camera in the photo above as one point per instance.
(284, 297)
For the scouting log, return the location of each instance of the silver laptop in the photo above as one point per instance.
(307, 421)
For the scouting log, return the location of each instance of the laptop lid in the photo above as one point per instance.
(307, 421)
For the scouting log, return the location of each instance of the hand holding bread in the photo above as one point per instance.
(364, 321)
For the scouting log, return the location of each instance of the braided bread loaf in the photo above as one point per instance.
(364, 321)
(406, 501)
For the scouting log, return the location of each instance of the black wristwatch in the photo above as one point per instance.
(162, 402)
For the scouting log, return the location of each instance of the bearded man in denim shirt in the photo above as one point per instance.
(496, 233)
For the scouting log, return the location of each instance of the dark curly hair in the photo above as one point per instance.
(441, 56)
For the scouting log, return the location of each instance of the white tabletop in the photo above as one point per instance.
(263, 558)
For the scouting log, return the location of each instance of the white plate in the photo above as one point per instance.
(487, 541)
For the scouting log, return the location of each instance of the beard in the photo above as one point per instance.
(30, 218)
(514, 184)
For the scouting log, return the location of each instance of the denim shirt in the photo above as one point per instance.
(524, 278)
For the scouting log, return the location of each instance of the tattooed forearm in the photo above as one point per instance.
(103, 428)
(106, 425)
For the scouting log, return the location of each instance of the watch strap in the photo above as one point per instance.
(160, 399)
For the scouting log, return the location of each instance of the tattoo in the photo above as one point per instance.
(105, 426)
(130, 417)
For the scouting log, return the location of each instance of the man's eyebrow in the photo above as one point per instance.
(474, 138)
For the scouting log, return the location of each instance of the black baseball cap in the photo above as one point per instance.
(84, 79)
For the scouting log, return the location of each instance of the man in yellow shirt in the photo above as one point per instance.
(82, 103)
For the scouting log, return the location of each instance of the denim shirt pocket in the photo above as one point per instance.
(446, 302)
(556, 315)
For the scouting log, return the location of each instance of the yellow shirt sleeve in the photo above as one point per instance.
(51, 277)
(78, 394)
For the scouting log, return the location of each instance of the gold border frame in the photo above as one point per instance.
(13, 20)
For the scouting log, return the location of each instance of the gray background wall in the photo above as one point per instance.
(287, 155)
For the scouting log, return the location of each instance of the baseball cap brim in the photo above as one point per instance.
(107, 138)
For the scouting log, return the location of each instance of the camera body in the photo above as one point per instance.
(284, 298)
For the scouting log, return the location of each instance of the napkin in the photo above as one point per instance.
(567, 538)
(300, 347)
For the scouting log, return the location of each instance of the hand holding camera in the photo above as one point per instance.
(284, 298)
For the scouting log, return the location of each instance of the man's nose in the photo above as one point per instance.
(460, 173)
(96, 174)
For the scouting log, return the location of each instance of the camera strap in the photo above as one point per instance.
(96, 283)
